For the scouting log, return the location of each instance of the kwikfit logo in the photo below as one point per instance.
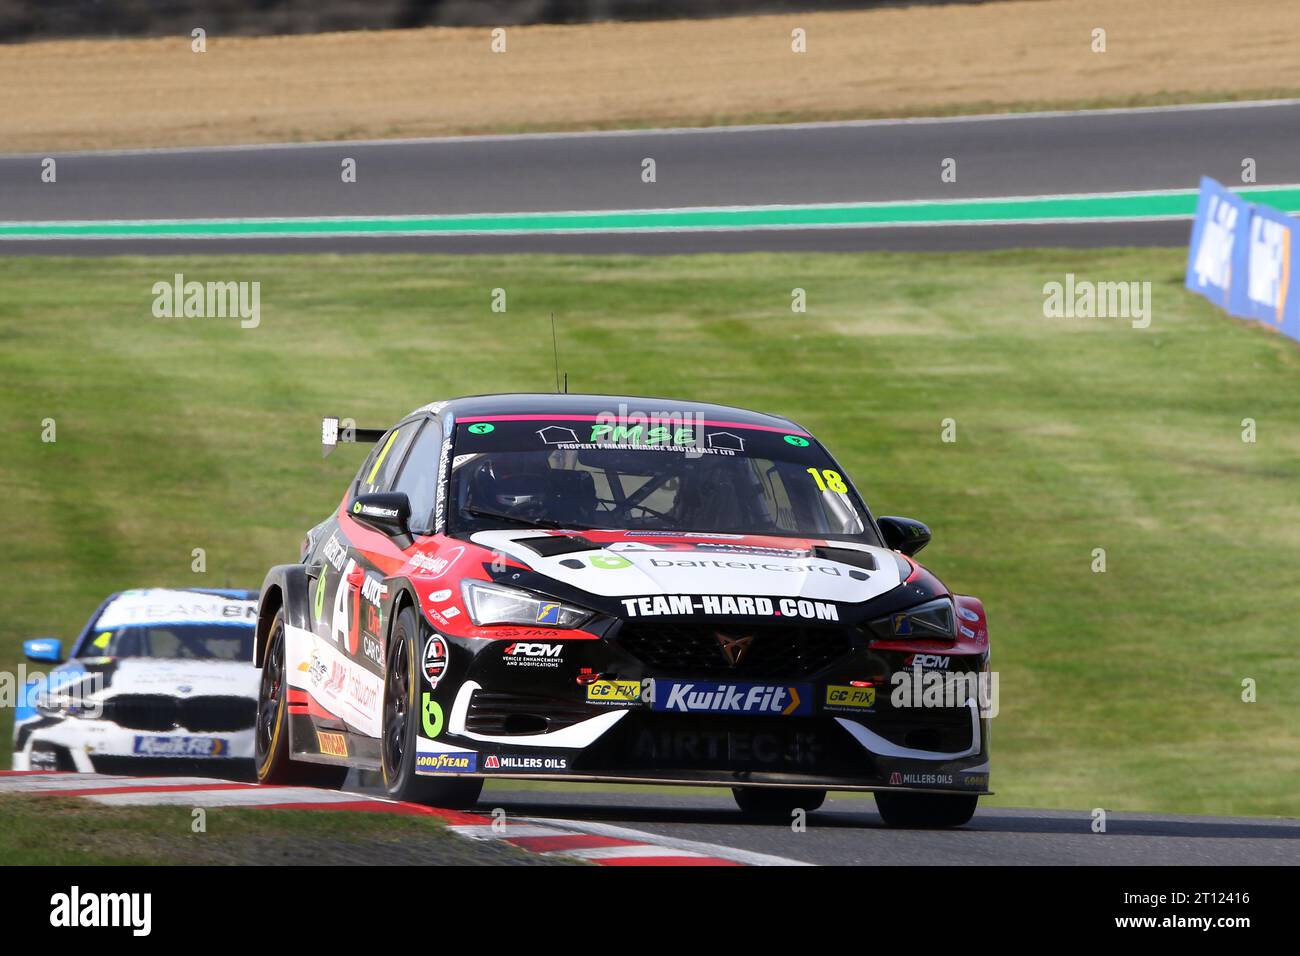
(707, 697)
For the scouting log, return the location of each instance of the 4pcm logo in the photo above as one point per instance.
(927, 661)
(521, 649)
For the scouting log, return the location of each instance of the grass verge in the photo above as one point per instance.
(60, 831)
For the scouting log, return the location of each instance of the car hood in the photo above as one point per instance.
(174, 678)
(615, 564)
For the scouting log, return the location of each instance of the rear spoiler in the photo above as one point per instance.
(332, 435)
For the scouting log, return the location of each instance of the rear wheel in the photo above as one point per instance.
(271, 733)
(776, 803)
(401, 716)
(929, 811)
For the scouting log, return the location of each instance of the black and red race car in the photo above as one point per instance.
(616, 589)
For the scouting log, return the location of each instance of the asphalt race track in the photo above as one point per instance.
(848, 832)
(1047, 154)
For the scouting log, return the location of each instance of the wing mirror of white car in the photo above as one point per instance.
(44, 650)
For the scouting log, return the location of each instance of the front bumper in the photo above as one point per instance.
(540, 721)
(102, 746)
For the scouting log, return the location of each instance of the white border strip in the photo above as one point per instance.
(748, 857)
(574, 737)
(675, 130)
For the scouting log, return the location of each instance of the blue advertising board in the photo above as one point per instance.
(1244, 258)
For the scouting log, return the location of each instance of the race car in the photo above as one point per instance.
(614, 589)
(160, 681)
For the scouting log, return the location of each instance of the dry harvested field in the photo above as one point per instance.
(900, 61)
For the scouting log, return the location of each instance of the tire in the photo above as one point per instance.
(401, 713)
(776, 803)
(926, 811)
(50, 757)
(271, 758)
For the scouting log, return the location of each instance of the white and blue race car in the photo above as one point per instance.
(159, 681)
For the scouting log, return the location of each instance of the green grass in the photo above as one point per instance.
(1119, 690)
(59, 831)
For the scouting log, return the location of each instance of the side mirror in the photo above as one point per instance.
(44, 650)
(388, 512)
(904, 534)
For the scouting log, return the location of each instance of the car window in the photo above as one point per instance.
(578, 475)
(227, 642)
(418, 478)
(377, 473)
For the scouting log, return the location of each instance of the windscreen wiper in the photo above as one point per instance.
(525, 522)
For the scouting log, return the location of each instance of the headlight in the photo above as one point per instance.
(57, 704)
(933, 619)
(497, 604)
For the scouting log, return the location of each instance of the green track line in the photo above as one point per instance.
(1111, 207)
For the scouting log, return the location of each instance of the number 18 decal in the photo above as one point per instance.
(828, 480)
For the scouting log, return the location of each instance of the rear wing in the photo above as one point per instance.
(335, 431)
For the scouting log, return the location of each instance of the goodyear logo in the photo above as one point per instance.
(614, 692)
(446, 763)
(842, 695)
(548, 612)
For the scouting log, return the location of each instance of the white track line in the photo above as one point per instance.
(637, 851)
(484, 832)
(748, 857)
(251, 797)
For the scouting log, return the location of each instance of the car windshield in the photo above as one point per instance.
(696, 476)
(217, 642)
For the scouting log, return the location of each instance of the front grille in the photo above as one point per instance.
(142, 711)
(213, 714)
(496, 713)
(788, 652)
(158, 712)
(941, 729)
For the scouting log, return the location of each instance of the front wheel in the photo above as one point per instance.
(271, 754)
(776, 803)
(402, 703)
(926, 811)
